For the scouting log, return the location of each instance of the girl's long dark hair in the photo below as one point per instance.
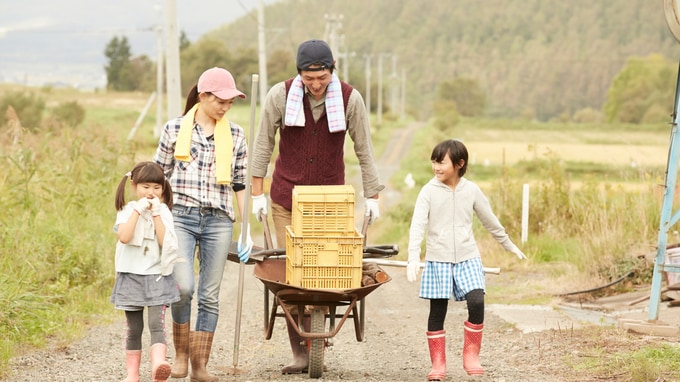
(456, 151)
(145, 172)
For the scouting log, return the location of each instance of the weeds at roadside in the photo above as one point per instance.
(612, 355)
(56, 195)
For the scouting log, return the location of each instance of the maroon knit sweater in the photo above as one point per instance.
(309, 155)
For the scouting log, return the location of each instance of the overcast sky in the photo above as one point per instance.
(50, 40)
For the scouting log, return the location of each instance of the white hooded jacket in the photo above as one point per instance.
(446, 216)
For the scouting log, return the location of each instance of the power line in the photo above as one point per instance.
(76, 31)
(247, 11)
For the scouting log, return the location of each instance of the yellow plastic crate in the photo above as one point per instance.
(323, 210)
(324, 262)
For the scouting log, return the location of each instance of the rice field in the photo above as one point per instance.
(633, 155)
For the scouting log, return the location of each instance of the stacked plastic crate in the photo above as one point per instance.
(323, 248)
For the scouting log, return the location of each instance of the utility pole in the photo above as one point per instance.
(262, 53)
(159, 75)
(380, 68)
(345, 58)
(174, 86)
(394, 86)
(333, 25)
(402, 114)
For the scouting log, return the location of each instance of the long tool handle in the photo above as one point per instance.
(401, 263)
(245, 217)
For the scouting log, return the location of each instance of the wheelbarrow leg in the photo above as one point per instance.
(359, 318)
(269, 325)
(268, 244)
(266, 310)
(332, 311)
(362, 317)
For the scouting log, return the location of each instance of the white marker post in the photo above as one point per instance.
(525, 213)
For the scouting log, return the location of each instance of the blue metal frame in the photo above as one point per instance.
(667, 220)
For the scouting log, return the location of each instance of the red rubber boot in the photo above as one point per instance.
(471, 347)
(437, 342)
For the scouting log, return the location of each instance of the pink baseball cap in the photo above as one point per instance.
(219, 82)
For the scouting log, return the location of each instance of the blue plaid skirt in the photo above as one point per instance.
(443, 280)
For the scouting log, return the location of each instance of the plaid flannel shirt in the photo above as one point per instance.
(194, 183)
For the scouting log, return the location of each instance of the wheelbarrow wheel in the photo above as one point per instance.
(317, 345)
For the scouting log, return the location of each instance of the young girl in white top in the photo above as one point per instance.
(443, 216)
(145, 254)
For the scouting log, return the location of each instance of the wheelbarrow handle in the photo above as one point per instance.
(267, 253)
(364, 227)
(381, 251)
(268, 243)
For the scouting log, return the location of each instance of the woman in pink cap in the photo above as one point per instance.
(204, 157)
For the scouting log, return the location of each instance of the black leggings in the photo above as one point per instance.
(135, 326)
(438, 308)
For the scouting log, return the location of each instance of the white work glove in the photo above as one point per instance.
(244, 251)
(259, 204)
(142, 205)
(519, 254)
(412, 270)
(372, 209)
(155, 206)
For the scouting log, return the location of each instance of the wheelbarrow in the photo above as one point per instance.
(336, 305)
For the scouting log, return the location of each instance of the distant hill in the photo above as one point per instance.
(532, 57)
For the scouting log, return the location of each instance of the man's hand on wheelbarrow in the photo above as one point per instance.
(259, 205)
(244, 250)
(372, 209)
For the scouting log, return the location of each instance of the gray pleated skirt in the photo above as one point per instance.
(134, 292)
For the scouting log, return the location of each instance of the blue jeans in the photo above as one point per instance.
(210, 231)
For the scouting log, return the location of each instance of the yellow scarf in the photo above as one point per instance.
(224, 144)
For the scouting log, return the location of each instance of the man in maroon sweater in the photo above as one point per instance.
(312, 113)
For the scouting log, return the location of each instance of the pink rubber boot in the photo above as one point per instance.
(160, 368)
(471, 347)
(132, 360)
(437, 342)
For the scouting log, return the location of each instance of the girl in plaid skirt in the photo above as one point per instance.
(443, 217)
